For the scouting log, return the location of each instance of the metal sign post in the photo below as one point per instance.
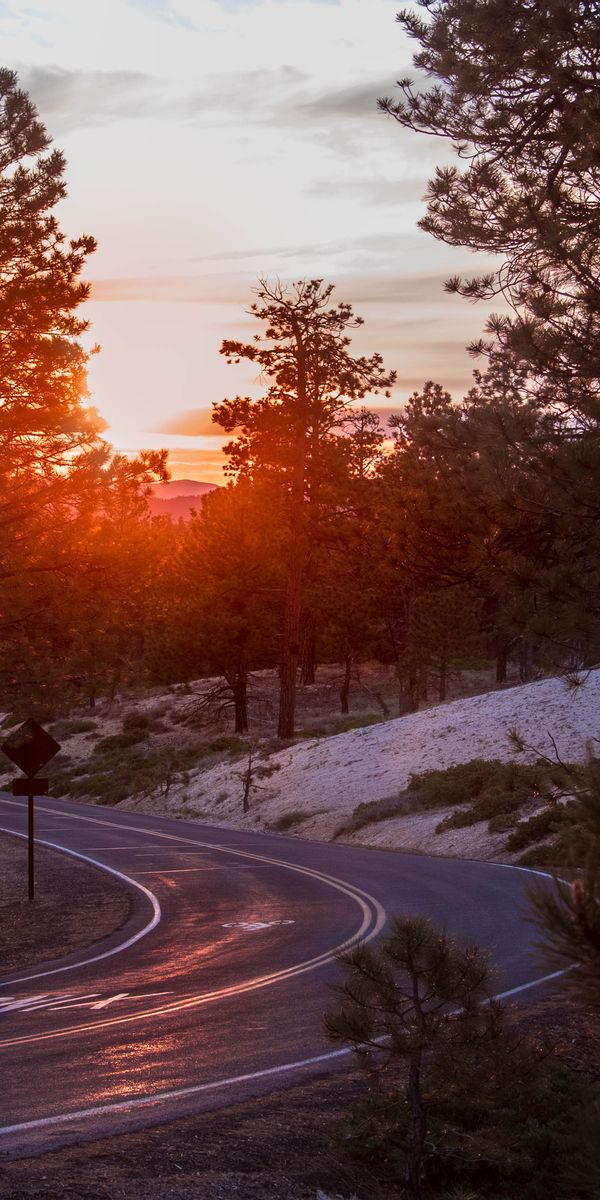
(30, 747)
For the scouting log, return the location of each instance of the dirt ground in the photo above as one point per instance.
(53, 925)
(276, 1148)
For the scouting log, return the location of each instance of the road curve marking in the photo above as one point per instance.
(136, 937)
(197, 1089)
(373, 920)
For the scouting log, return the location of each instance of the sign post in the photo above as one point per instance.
(30, 747)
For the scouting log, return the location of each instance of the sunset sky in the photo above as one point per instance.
(209, 141)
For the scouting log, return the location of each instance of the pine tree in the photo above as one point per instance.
(516, 90)
(285, 436)
(569, 915)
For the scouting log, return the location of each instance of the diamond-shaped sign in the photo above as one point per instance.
(30, 747)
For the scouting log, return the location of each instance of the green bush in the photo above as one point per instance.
(119, 741)
(502, 822)
(226, 743)
(289, 819)
(495, 791)
(373, 810)
(550, 821)
(493, 805)
(68, 727)
(118, 770)
(135, 722)
(475, 780)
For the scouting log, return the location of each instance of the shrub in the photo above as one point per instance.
(455, 1103)
(470, 781)
(550, 821)
(494, 804)
(289, 819)
(135, 721)
(495, 790)
(372, 810)
(502, 822)
(71, 726)
(119, 741)
(226, 743)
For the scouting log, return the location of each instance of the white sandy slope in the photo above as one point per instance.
(327, 778)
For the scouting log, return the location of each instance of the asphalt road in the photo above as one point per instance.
(215, 989)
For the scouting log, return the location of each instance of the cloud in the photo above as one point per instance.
(257, 93)
(177, 289)
(374, 191)
(360, 288)
(204, 464)
(74, 99)
(357, 100)
(193, 422)
(375, 242)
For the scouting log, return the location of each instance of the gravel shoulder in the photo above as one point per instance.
(75, 906)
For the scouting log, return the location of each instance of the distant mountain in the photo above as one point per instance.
(178, 497)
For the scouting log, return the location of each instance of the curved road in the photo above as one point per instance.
(215, 989)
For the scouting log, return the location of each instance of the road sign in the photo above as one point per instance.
(30, 787)
(30, 747)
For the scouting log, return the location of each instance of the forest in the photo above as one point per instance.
(461, 531)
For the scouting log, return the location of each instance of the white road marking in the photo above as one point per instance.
(144, 1101)
(373, 915)
(57, 1003)
(250, 925)
(136, 937)
(186, 870)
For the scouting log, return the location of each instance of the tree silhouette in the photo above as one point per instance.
(285, 435)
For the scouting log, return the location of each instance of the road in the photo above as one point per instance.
(215, 989)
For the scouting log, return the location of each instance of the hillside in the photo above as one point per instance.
(153, 750)
(313, 788)
(177, 497)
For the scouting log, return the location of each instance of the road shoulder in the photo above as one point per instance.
(76, 906)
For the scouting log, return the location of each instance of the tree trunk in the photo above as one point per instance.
(408, 700)
(309, 649)
(288, 669)
(443, 681)
(345, 692)
(247, 783)
(501, 663)
(296, 554)
(414, 1156)
(525, 667)
(240, 701)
